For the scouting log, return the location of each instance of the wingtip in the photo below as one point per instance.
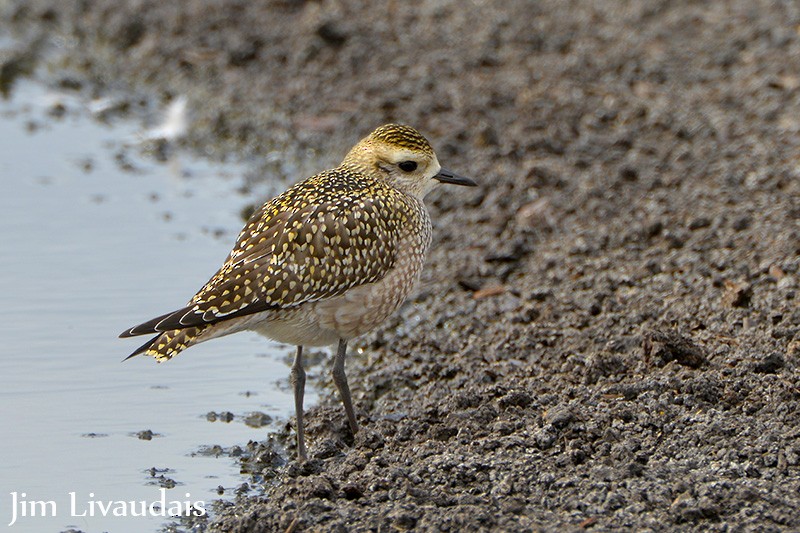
(142, 349)
(158, 324)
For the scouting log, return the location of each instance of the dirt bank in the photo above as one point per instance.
(607, 330)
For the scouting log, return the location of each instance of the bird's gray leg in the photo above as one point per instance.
(298, 380)
(340, 379)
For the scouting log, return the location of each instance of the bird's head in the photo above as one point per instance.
(402, 157)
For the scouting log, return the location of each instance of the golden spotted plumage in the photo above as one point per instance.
(316, 240)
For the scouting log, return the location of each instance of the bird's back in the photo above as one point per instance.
(323, 237)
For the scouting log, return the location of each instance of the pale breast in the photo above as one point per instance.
(365, 307)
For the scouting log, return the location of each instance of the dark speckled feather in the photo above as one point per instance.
(316, 240)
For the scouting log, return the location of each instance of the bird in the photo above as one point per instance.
(322, 263)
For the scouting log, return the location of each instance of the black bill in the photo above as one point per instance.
(445, 176)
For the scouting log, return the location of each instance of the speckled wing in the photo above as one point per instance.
(296, 250)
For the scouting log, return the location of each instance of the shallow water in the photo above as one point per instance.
(87, 249)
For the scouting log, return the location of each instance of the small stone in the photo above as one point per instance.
(57, 110)
(628, 174)
(538, 213)
(257, 419)
(560, 417)
(664, 347)
(776, 272)
(235, 451)
(332, 33)
(444, 433)
(516, 398)
(546, 437)
(488, 292)
(737, 294)
(352, 492)
(404, 521)
(770, 364)
(742, 223)
(145, 435)
(699, 223)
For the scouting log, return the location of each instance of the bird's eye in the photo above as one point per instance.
(408, 166)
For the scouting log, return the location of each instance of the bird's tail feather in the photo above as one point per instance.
(168, 344)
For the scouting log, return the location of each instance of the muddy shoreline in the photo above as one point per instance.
(607, 332)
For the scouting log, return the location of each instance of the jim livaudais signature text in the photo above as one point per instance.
(21, 506)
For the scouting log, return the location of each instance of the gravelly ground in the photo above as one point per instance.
(606, 334)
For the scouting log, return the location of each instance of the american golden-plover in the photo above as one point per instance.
(324, 262)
